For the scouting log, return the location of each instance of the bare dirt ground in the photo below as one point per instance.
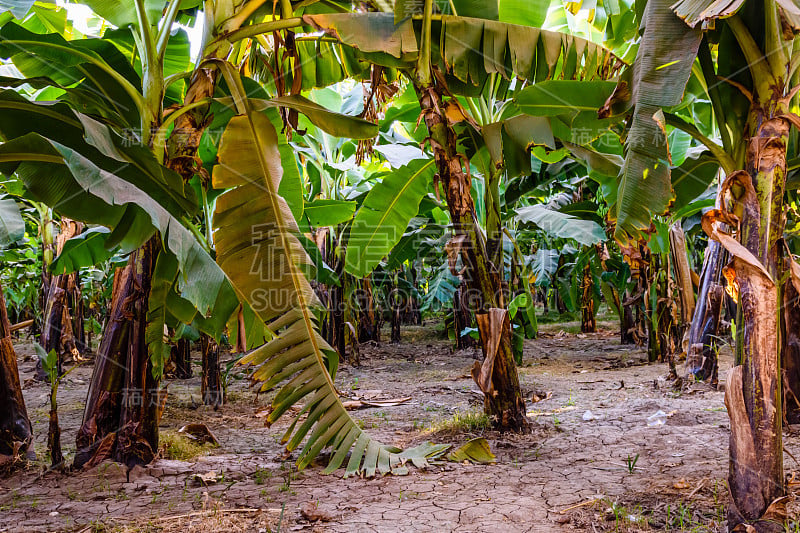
(592, 463)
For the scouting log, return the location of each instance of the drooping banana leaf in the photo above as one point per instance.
(258, 248)
(123, 157)
(662, 68)
(164, 274)
(12, 227)
(697, 11)
(323, 63)
(473, 48)
(330, 122)
(385, 214)
(75, 186)
(96, 64)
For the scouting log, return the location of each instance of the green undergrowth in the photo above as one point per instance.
(174, 445)
(468, 421)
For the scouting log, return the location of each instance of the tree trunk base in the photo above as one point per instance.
(182, 352)
(497, 375)
(211, 387)
(16, 433)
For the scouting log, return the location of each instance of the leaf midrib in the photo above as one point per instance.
(396, 199)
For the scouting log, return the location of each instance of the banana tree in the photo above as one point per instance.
(455, 54)
(150, 197)
(106, 159)
(751, 85)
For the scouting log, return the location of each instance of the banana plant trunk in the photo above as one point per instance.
(588, 322)
(667, 322)
(63, 312)
(97, 434)
(211, 387)
(701, 354)
(16, 432)
(137, 438)
(182, 355)
(790, 358)
(753, 392)
(679, 258)
(369, 328)
(120, 419)
(497, 376)
(462, 317)
(396, 320)
(626, 320)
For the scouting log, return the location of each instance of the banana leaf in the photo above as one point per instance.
(253, 226)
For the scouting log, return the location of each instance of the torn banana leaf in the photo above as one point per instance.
(258, 248)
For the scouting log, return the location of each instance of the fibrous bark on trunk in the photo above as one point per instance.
(627, 323)
(395, 300)
(503, 400)
(122, 406)
(97, 434)
(54, 430)
(369, 324)
(753, 392)
(16, 432)
(790, 357)
(211, 387)
(588, 322)
(182, 352)
(137, 437)
(62, 330)
(683, 274)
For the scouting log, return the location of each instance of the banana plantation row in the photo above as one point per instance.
(323, 167)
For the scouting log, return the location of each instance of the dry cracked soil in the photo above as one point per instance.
(597, 459)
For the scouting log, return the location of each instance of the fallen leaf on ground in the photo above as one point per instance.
(313, 513)
(538, 396)
(209, 477)
(358, 404)
(200, 433)
(475, 451)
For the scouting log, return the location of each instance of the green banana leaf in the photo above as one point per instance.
(122, 13)
(96, 66)
(384, 216)
(323, 213)
(561, 225)
(12, 227)
(164, 274)
(84, 250)
(662, 68)
(692, 178)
